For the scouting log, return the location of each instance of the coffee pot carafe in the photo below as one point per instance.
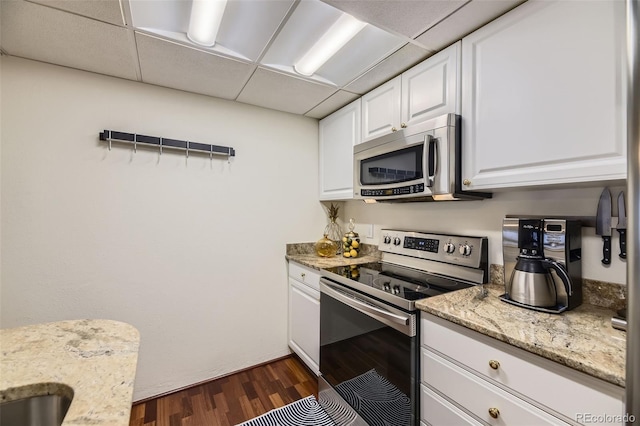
(537, 280)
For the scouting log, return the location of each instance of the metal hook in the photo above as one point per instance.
(187, 149)
(161, 139)
(135, 140)
(109, 140)
(211, 152)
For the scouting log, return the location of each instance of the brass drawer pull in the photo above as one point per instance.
(494, 364)
(494, 412)
(302, 275)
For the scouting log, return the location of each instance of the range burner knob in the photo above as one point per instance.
(465, 249)
(396, 289)
(386, 286)
(449, 248)
(397, 241)
(387, 239)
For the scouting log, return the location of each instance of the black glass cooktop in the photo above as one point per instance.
(405, 283)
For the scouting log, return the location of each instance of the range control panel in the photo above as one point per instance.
(454, 249)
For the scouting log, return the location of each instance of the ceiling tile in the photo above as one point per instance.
(44, 34)
(465, 20)
(103, 10)
(395, 64)
(180, 67)
(278, 91)
(407, 17)
(332, 104)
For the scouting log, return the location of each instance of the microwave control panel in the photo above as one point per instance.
(402, 190)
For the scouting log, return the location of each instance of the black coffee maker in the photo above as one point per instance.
(542, 263)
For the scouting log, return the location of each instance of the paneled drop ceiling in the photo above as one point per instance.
(259, 40)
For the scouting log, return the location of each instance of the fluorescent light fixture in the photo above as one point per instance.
(204, 23)
(343, 30)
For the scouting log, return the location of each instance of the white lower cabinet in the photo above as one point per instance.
(473, 377)
(441, 412)
(304, 315)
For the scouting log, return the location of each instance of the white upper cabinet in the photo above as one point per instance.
(338, 133)
(544, 96)
(381, 110)
(430, 89)
(425, 91)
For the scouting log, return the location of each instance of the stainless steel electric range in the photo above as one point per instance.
(369, 325)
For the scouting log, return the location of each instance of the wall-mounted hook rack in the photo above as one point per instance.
(188, 146)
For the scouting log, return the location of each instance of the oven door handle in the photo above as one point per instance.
(366, 308)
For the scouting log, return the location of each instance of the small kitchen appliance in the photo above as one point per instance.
(421, 162)
(542, 263)
(370, 328)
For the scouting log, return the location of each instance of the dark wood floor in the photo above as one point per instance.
(232, 399)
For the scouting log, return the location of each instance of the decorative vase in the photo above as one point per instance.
(326, 247)
(332, 230)
(351, 242)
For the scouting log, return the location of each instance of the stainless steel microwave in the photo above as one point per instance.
(418, 163)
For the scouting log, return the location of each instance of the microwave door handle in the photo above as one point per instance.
(432, 167)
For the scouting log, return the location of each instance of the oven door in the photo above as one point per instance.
(368, 357)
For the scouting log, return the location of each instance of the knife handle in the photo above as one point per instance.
(623, 243)
(606, 249)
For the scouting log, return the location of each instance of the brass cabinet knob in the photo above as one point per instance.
(403, 125)
(302, 274)
(466, 182)
(494, 364)
(494, 412)
(393, 129)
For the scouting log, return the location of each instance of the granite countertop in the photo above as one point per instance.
(305, 254)
(94, 360)
(582, 338)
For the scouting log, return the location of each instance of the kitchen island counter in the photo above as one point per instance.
(94, 361)
(582, 338)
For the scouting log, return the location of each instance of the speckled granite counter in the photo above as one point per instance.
(582, 339)
(304, 253)
(96, 359)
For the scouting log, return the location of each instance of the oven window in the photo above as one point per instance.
(372, 366)
(393, 167)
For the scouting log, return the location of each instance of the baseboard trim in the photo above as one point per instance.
(150, 398)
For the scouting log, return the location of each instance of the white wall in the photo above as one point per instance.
(191, 252)
(484, 218)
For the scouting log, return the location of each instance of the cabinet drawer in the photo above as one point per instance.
(304, 275)
(437, 411)
(478, 396)
(557, 387)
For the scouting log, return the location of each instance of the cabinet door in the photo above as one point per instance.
(544, 96)
(381, 110)
(304, 323)
(437, 411)
(338, 133)
(430, 89)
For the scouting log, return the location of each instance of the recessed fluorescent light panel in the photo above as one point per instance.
(343, 30)
(206, 16)
(305, 38)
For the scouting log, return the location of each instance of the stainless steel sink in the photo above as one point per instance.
(45, 410)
